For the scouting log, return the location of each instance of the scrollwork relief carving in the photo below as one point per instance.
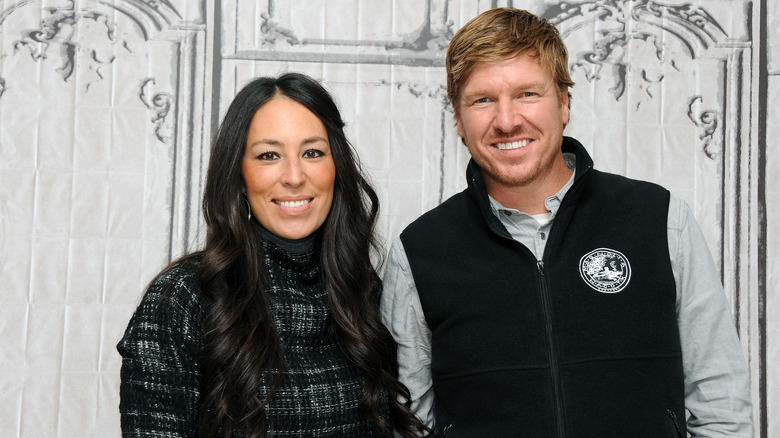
(161, 104)
(707, 121)
(58, 34)
(642, 21)
(59, 38)
(641, 27)
(427, 38)
(273, 33)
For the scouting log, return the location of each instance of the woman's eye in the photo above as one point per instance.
(313, 153)
(267, 156)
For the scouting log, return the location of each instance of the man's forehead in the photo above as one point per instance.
(526, 77)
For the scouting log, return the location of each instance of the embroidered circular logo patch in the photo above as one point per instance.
(605, 270)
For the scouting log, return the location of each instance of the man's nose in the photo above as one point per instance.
(508, 116)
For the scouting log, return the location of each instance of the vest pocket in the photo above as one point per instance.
(673, 418)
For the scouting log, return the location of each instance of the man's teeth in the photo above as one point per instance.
(293, 204)
(513, 145)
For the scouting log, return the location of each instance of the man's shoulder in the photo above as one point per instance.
(620, 184)
(442, 212)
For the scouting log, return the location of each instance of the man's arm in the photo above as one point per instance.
(402, 314)
(717, 386)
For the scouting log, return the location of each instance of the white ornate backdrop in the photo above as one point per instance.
(107, 108)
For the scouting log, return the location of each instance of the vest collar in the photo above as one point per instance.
(476, 183)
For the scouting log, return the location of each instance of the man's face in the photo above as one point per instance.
(511, 119)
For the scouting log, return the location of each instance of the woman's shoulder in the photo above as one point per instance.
(175, 295)
(181, 275)
(170, 313)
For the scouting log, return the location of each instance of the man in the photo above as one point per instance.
(549, 299)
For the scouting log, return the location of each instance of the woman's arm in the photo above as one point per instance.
(160, 379)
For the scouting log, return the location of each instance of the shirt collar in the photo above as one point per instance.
(552, 203)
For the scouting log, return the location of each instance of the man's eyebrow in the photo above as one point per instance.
(528, 85)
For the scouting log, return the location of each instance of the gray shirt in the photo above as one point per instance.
(717, 387)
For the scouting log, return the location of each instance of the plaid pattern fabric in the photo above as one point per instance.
(159, 395)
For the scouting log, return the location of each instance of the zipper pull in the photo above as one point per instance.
(540, 266)
(674, 421)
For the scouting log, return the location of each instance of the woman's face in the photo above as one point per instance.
(288, 169)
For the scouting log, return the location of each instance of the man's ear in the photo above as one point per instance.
(565, 108)
(461, 131)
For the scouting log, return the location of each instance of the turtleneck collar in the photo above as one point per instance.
(293, 246)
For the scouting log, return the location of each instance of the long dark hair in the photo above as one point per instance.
(241, 347)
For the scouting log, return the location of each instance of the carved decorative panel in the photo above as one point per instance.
(107, 108)
(101, 132)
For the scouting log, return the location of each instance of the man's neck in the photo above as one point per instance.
(530, 198)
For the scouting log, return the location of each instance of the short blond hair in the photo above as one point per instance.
(503, 33)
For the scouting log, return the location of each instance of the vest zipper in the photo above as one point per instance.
(673, 416)
(547, 308)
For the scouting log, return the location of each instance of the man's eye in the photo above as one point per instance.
(313, 153)
(482, 100)
(529, 94)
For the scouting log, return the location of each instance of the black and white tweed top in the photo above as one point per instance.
(160, 379)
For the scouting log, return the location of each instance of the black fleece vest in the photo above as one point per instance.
(582, 344)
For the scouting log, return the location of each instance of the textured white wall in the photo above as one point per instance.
(107, 109)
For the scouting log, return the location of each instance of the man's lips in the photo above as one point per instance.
(513, 145)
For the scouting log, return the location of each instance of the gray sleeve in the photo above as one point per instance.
(402, 314)
(717, 386)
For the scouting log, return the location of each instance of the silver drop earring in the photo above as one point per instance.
(248, 208)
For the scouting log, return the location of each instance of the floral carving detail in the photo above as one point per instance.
(161, 104)
(58, 32)
(635, 22)
(707, 121)
(274, 33)
(428, 38)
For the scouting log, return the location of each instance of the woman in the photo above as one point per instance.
(272, 328)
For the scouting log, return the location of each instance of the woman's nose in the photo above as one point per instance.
(293, 175)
